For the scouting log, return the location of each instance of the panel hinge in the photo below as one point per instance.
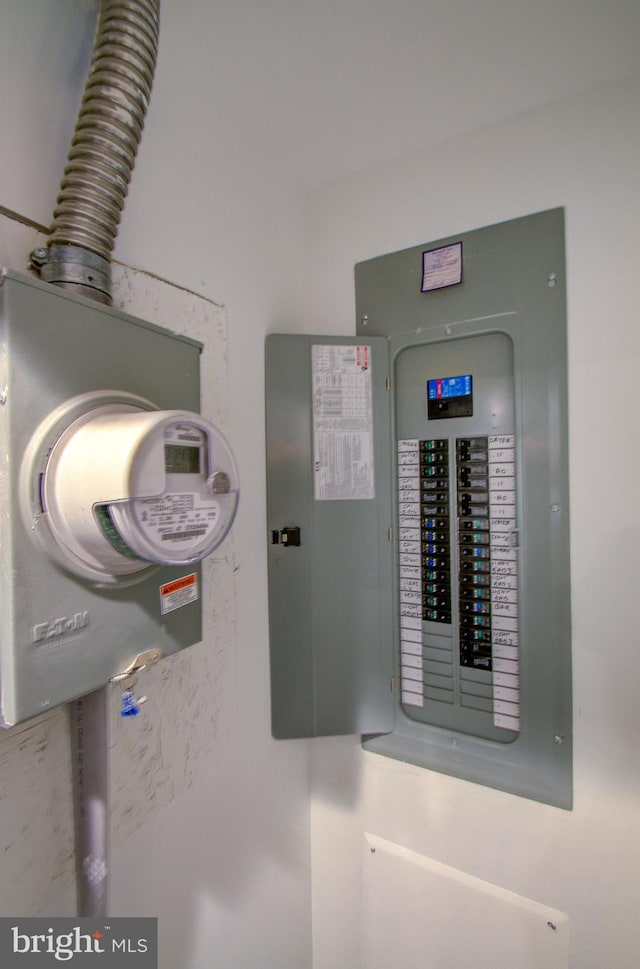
(393, 684)
(390, 534)
(387, 383)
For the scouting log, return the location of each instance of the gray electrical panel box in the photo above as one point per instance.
(96, 402)
(424, 485)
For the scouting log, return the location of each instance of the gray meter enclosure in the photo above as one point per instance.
(423, 468)
(62, 636)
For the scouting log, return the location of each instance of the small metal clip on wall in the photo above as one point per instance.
(129, 703)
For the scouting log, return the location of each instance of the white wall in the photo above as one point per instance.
(212, 836)
(583, 154)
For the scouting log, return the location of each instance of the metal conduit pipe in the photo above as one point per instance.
(89, 721)
(78, 257)
(103, 150)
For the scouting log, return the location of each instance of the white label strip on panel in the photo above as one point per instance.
(342, 422)
(503, 484)
(505, 623)
(406, 622)
(509, 581)
(411, 635)
(505, 609)
(501, 470)
(411, 674)
(503, 455)
(407, 609)
(502, 553)
(507, 694)
(504, 582)
(505, 652)
(501, 511)
(412, 699)
(413, 547)
(408, 457)
(408, 483)
(411, 571)
(411, 648)
(510, 709)
(502, 637)
(409, 535)
(505, 666)
(502, 567)
(410, 560)
(506, 679)
(501, 440)
(410, 506)
(507, 723)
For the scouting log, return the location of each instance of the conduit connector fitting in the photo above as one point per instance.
(76, 269)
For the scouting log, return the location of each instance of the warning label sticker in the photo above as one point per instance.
(178, 593)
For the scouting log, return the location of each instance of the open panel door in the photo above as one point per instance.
(329, 519)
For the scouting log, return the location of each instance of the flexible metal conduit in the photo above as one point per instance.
(103, 150)
(78, 257)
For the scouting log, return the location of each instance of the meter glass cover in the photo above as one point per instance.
(179, 459)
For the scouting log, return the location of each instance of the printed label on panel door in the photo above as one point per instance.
(342, 422)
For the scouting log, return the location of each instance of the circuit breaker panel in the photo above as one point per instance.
(468, 513)
(458, 535)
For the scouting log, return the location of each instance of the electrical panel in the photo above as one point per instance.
(422, 466)
(113, 489)
(458, 535)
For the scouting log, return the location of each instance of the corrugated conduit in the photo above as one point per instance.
(103, 150)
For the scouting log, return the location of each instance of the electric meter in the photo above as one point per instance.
(122, 485)
(112, 489)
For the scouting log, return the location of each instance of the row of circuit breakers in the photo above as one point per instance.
(481, 501)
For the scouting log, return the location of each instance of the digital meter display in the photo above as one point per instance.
(179, 459)
(450, 397)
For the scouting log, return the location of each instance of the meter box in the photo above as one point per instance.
(114, 488)
(424, 464)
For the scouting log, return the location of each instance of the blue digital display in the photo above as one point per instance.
(444, 388)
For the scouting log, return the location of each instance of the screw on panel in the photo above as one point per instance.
(39, 257)
(364, 320)
(551, 280)
(552, 925)
(558, 739)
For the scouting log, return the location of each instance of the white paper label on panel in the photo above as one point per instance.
(342, 422)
